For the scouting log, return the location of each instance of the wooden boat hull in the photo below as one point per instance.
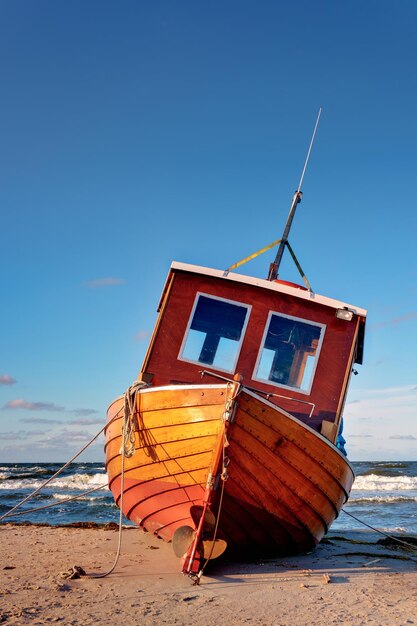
(274, 484)
(177, 430)
(286, 482)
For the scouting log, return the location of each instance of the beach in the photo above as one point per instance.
(348, 579)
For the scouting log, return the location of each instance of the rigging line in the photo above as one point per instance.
(48, 506)
(251, 256)
(381, 532)
(19, 504)
(309, 150)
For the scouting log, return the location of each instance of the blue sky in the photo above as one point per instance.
(137, 133)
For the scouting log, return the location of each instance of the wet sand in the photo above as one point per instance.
(349, 579)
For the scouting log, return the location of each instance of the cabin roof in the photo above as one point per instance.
(298, 292)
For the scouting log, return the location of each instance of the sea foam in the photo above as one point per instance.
(76, 481)
(374, 482)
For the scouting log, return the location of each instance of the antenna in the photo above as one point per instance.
(274, 267)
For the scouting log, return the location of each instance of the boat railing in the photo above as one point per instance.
(267, 394)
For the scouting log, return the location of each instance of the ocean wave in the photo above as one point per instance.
(97, 499)
(14, 472)
(75, 482)
(400, 464)
(382, 499)
(24, 475)
(374, 482)
(81, 481)
(386, 471)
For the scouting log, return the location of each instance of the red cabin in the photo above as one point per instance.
(291, 345)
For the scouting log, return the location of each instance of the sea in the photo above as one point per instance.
(384, 496)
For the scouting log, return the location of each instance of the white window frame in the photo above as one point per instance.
(322, 327)
(248, 308)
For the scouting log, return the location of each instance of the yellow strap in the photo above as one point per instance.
(252, 256)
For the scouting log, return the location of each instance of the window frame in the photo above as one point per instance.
(248, 308)
(306, 391)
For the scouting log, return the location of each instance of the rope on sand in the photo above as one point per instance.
(74, 572)
(127, 449)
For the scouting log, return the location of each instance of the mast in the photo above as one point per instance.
(274, 267)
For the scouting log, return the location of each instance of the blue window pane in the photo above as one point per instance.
(215, 333)
(289, 352)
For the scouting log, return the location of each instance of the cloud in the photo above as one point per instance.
(404, 396)
(395, 321)
(39, 420)
(389, 416)
(392, 391)
(88, 422)
(32, 450)
(49, 445)
(109, 281)
(69, 436)
(20, 403)
(6, 379)
(20, 435)
(84, 412)
(403, 389)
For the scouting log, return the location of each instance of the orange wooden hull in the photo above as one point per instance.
(285, 482)
(176, 436)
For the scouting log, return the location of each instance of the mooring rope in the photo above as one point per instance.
(127, 449)
(63, 501)
(51, 478)
(122, 481)
(381, 532)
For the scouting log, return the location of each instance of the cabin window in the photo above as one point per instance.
(289, 352)
(215, 332)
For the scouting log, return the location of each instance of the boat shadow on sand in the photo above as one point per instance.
(336, 560)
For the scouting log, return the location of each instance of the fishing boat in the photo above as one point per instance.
(229, 440)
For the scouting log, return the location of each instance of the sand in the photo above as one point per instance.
(348, 579)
